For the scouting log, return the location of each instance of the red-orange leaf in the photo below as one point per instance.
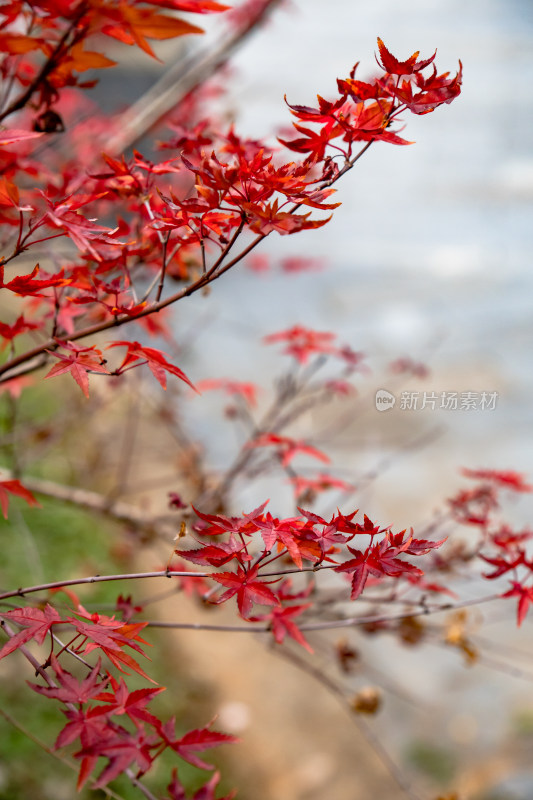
(247, 588)
(81, 60)
(79, 363)
(26, 285)
(395, 67)
(36, 623)
(137, 355)
(139, 24)
(16, 488)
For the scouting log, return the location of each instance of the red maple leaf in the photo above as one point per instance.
(16, 488)
(379, 560)
(20, 326)
(282, 623)
(195, 741)
(302, 342)
(248, 391)
(126, 607)
(506, 479)
(408, 67)
(81, 725)
(525, 597)
(136, 25)
(71, 690)
(27, 285)
(111, 636)
(216, 555)
(36, 623)
(267, 217)
(474, 506)
(507, 539)
(79, 363)
(503, 565)
(206, 792)
(287, 533)
(326, 535)
(122, 749)
(120, 700)
(322, 483)
(137, 355)
(312, 142)
(248, 590)
(288, 448)
(82, 231)
(217, 524)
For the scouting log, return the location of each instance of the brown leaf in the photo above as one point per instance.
(367, 701)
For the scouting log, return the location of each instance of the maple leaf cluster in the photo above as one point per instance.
(47, 45)
(302, 343)
(180, 219)
(104, 718)
(502, 547)
(306, 540)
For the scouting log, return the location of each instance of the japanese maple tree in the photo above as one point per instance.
(98, 236)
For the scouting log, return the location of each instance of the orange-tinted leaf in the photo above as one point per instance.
(161, 26)
(9, 193)
(82, 60)
(17, 44)
(141, 24)
(408, 67)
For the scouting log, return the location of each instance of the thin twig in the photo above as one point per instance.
(349, 622)
(374, 741)
(93, 501)
(49, 64)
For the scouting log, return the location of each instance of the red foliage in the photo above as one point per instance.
(138, 235)
(16, 488)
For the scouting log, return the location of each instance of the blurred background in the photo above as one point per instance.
(429, 254)
(427, 259)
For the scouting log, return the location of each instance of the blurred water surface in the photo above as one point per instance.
(429, 254)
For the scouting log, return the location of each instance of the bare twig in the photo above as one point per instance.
(374, 741)
(117, 510)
